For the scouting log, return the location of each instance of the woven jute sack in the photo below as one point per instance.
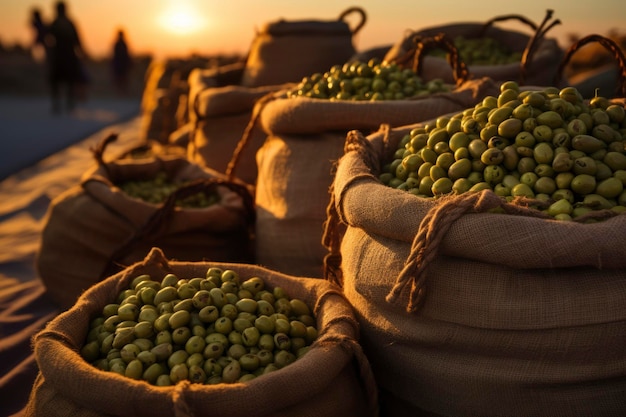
(157, 101)
(165, 96)
(286, 50)
(221, 116)
(332, 379)
(158, 118)
(200, 79)
(94, 228)
(305, 138)
(540, 55)
(469, 312)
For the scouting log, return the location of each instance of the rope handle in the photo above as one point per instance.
(504, 18)
(362, 364)
(424, 44)
(98, 151)
(334, 228)
(352, 10)
(531, 47)
(331, 240)
(534, 42)
(433, 229)
(247, 134)
(609, 45)
(162, 216)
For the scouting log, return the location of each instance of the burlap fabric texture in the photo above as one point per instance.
(540, 54)
(284, 51)
(221, 115)
(467, 312)
(305, 138)
(94, 228)
(332, 379)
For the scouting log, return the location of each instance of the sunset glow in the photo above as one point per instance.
(181, 19)
(176, 27)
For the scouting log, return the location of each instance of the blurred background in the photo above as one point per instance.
(159, 29)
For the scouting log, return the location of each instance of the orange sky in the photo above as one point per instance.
(179, 27)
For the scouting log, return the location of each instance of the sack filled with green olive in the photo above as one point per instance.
(491, 49)
(123, 207)
(547, 145)
(305, 132)
(171, 338)
(472, 289)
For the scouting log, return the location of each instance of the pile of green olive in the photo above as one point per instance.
(366, 81)
(157, 189)
(207, 330)
(547, 145)
(482, 51)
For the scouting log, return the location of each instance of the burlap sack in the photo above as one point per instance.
(157, 102)
(540, 59)
(285, 51)
(202, 78)
(165, 96)
(305, 138)
(332, 379)
(221, 116)
(94, 228)
(510, 314)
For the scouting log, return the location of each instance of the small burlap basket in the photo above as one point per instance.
(540, 55)
(284, 51)
(201, 79)
(305, 138)
(467, 312)
(164, 100)
(94, 228)
(332, 379)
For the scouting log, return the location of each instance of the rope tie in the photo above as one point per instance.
(247, 134)
(425, 247)
(366, 376)
(181, 408)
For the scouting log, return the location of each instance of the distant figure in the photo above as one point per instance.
(39, 48)
(66, 69)
(121, 63)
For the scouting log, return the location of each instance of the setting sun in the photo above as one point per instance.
(181, 19)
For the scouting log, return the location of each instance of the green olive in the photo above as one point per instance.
(560, 207)
(510, 128)
(442, 186)
(587, 143)
(180, 335)
(179, 319)
(610, 187)
(543, 153)
(585, 165)
(522, 190)
(583, 184)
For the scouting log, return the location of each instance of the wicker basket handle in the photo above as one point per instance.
(440, 41)
(361, 13)
(504, 18)
(611, 46)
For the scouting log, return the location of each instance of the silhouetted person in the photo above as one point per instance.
(66, 71)
(121, 63)
(41, 30)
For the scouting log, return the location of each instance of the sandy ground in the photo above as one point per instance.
(43, 155)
